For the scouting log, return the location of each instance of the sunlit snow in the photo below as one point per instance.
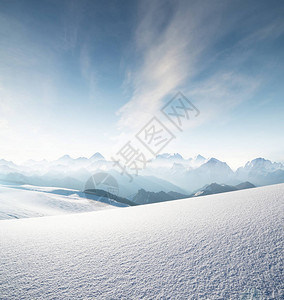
(225, 246)
(22, 201)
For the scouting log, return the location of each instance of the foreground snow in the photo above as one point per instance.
(26, 201)
(225, 246)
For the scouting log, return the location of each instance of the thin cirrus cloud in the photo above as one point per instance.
(198, 48)
(163, 49)
(61, 78)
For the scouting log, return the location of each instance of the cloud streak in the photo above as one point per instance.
(170, 40)
(175, 42)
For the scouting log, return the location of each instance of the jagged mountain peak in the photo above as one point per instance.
(97, 156)
(219, 167)
(199, 158)
(262, 163)
(259, 160)
(65, 157)
(169, 156)
(214, 161)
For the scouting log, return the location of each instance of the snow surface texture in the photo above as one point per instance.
(24, 201)
(225, 246)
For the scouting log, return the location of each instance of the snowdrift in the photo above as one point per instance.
(26, 201)
(225, 246)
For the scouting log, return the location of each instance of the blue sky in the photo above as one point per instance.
(77, 77)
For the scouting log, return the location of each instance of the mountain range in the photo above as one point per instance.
(190, 174)
(167, 173)
(146, 197)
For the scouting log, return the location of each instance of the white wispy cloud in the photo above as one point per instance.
(219, 94)
(169, 45)
(72, 18)
(87, 69)
(173, 42)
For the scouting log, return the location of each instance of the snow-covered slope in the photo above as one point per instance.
(226, 246)
(25, 201)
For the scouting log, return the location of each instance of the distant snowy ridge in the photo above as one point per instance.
(146, 197)
(167, 172)
(215, 188)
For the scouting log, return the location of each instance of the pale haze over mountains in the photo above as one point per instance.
(167, 172)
